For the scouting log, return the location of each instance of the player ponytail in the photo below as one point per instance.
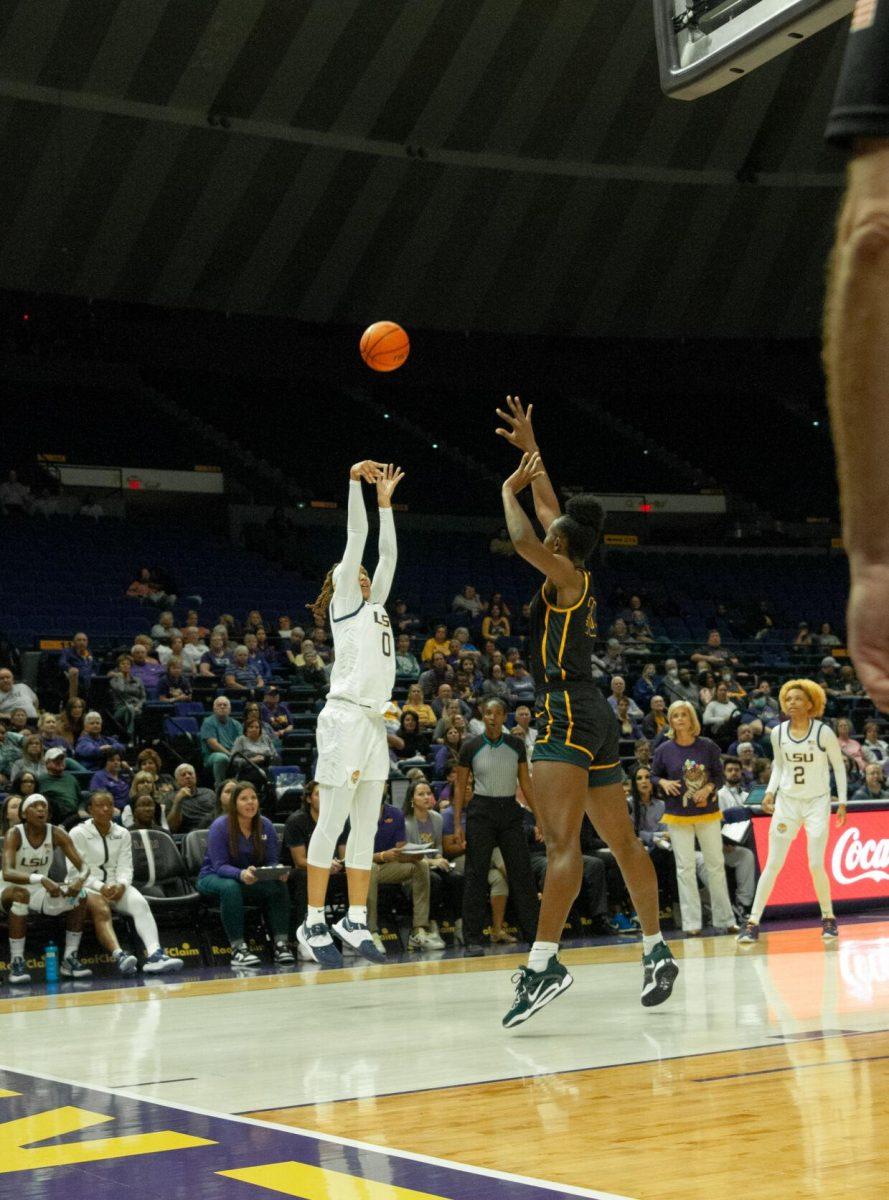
(581, 526)
(322, 603)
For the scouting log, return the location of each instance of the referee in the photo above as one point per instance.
(494, 818)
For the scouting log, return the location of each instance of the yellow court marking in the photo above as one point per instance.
(787, 941)
(318, 1183)
(17, 1152)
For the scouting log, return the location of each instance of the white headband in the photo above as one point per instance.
(35, 798)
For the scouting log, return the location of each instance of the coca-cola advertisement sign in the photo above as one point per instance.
(857, 860)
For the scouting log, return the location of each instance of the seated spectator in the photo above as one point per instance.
(803, 639)
(275, 712)
(637, 620)
(15, 496)
(763, 703)
(748, 758)
(409, 741)
(627, 726)
(612, 662)
(403, 620)
(423, 827)
(71, 720)
(128, 694)
(642, 754)
(146, 669)
(109, 779)
(145, 813)
(165, 629)
(438, 673)
(849, 683)
(620, 632)
(175, 684)
(872, 744)
(874, 786)
(28, 888)
(93, 743)
(10, 753)
(191, 807)
(520, 686)
(16, 695)
(829, 675)
(848, 744)
(236, 844)
(416, 703)
(311, 670)
(592, 899)
(193, 650)
(468, 667)
(224, 796)
(735, 690)
(677, 684)
(827, 640)
(706, 687)
(60, 787)
(149, 760)
(721, 717)
(241, 674)
(255, 745)
(298, 830)
(148, 589)
(106, 851)
(654, 723)
(390, 865)
(452, 709)
(496, 686)
(11, 808)
(77, 666)
(219, 732)
(439, 643)
(740, 858)
(501, 544)
(144, 789)
(31, 756)
(646, 686)
(469, 601)
(405, 661)
(172, 649)
(523, 727)
(215, 664)
(733, 793)
(495, 625)
(619, 689)
(264, 655)
(253, 621)
(713, 654)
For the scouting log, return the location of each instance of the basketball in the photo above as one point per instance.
(384, 346)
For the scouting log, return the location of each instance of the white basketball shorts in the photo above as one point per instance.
(352, 745)
(40, 901)
(791, 815)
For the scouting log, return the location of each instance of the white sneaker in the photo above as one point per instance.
(425, 939)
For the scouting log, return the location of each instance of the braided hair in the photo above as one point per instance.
(322, 603)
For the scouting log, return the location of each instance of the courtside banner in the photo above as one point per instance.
(857, 860)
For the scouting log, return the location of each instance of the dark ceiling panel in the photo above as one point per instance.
(261, 56)
(79, 36)
(174, 42)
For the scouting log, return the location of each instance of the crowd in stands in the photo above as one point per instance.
(209, 727)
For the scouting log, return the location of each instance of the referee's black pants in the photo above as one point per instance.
(497, 821)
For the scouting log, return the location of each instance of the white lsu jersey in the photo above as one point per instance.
(34, 862)
(801, 769)
(364, 665)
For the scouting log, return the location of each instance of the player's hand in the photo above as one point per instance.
(336, 867)
(670, 787)
(248, 876)
(368, 470)
(51, 886)
(841, 816)
(868, 629)
(387, 482)
(529, 469)
(108, 891)
(768, 803)
(519, 431)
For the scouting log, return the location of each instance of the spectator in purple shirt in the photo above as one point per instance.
(217, 661)
(237, 843)
(275, 712)
(261, 659)
(146, 669)
(109, 779)
(93, 743)
(687, 771)
(77, 665)
(174, 685)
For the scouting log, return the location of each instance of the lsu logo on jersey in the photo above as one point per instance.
(800, 756)
(591, 625)
(382, 618)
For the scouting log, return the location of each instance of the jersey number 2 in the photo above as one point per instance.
(799, 775)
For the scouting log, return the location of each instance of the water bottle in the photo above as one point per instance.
(52, 963)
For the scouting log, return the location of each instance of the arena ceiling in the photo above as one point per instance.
(495, 164)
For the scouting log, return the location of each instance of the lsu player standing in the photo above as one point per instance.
(353, 752)
(805, 748)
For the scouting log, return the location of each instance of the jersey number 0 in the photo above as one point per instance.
(382, 619)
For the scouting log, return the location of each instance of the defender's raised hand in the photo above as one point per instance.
(389, 479)
(368, 470)
(520, 432)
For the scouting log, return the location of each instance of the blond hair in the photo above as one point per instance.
(686, 706)
(813, 691)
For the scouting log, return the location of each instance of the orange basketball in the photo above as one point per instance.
(384, 346)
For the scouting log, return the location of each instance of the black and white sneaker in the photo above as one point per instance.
(160, 963)
(829, 929)
(283, 954)
(242, 957)
(318, 944)
(73, 968)
(534, 989)
(360, 938)
(659, 974)
(126, 963)
(18, 972)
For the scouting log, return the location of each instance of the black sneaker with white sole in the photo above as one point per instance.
(18, 971)
(242, 957)
(534, 989)
(73, 968)
(283, 954)
(659, 971)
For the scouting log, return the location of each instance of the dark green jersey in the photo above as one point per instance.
(561, 639)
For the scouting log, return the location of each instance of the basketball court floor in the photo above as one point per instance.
(766, 1075)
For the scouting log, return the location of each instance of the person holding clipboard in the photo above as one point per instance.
(242, 859)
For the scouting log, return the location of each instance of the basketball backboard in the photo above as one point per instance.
(705, 44)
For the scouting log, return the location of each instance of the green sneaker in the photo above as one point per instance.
(659, 975)
(534, 989)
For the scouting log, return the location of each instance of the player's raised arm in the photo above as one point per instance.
(345, 576)
(520, 433)
(389, 479)
(556, 567)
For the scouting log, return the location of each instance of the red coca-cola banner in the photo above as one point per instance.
(857, 860)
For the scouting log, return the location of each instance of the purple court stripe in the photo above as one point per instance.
(237, 1143)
